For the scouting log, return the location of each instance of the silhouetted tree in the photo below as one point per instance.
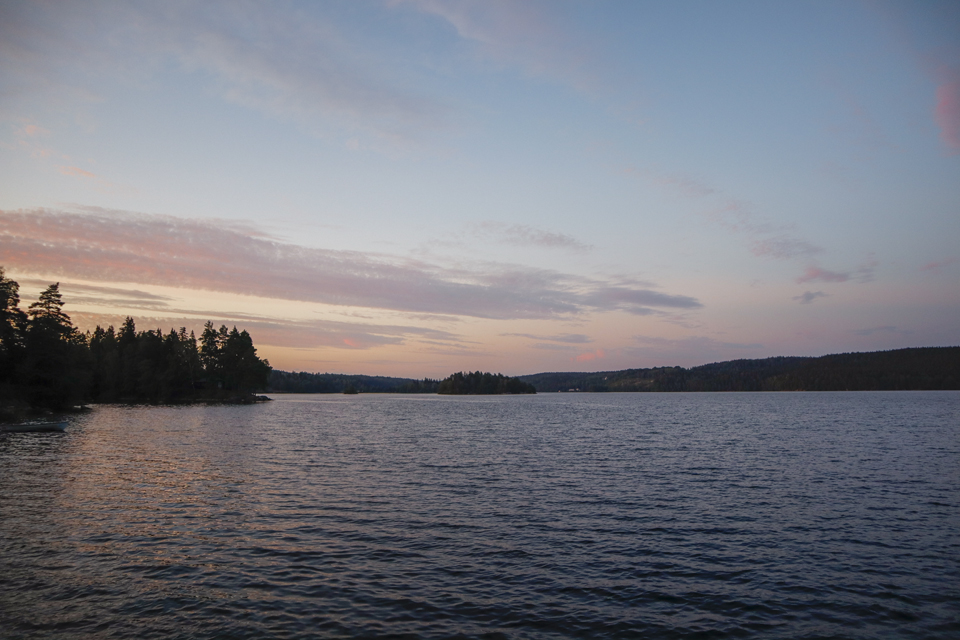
(56, 362)
(12, 328)
(210, 355)
(46, 363)
(129, 356)
(105, 362)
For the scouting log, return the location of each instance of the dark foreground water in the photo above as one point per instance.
(800, 515)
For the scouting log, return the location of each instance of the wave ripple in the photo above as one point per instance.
(806, 515)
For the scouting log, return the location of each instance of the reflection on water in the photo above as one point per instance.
(562, 515)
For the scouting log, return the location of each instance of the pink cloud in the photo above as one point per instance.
(590, 355)
(816, 274)
(32, 130)
(76, 171)
(947, 111)
(936, 266)
(219, 256)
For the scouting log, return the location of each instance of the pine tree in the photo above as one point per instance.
(56, 364)
(105, 356)
(128, 353)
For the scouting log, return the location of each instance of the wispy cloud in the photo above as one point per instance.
(290, 64)
(32, 130)
(938, 264)
(766, 239)
(888, 329)
(816, 274)
(566, 338)
(76, 171)
(107, 293)
(525, 34)
(863, 273)
(124, 247)
(115, 297)
(301, 334)
(809, 296)
(784, 247)
(29, 137)
(524, 235)
(98, 182)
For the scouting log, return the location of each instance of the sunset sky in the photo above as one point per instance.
(416, 187)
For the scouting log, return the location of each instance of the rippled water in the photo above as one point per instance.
(800, 515)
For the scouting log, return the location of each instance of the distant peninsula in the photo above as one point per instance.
(928, 368)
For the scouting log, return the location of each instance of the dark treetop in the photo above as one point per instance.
(485, 384)
(303, 382)
(46, 363)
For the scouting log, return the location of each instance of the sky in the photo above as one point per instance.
(417, 187)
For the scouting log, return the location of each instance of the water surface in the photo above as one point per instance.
(795, 515)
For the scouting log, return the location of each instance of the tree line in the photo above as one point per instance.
(475, 383)
(928, 368)
(47, 363)
(304, 382)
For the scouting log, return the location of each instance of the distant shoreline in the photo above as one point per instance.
(917, 369)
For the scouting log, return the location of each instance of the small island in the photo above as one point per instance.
(483, 384)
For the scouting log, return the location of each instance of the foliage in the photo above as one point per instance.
(13, 323)
(478, 383)
(54, 370)
(900, 369)
(46, 363)
(303, 382)
(150, 366)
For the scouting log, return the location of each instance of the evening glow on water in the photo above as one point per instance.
(618, 515)
(414, 187)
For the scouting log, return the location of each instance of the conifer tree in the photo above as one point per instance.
(45, 362)
(12, 326)
(56, 355)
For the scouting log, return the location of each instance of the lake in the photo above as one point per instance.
(701, 515)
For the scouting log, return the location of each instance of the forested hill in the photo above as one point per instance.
(901, 369)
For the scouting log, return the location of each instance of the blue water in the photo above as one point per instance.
(796, 515)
